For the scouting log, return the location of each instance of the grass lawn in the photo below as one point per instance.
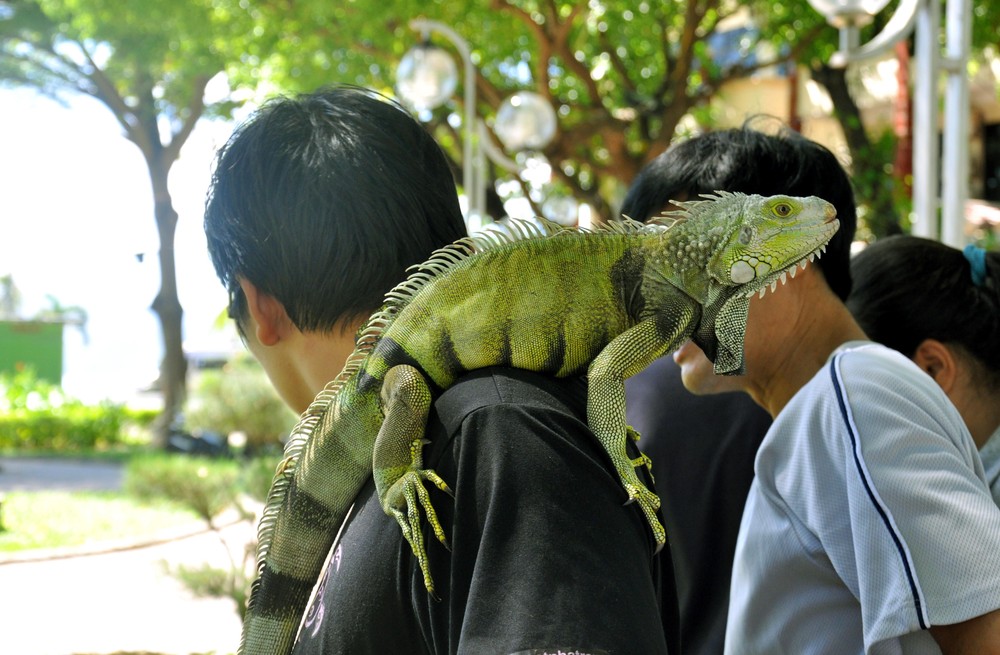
(55, 519)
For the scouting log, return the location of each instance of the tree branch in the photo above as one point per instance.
(618, 64)
(106, 92)
(554, 46)
(195, 108)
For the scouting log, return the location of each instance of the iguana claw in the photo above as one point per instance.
(409, 493)
(643, 460)
(649, 503)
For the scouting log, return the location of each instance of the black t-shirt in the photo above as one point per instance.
(703, 450)
(544, 556)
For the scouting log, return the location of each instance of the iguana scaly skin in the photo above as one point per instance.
(563, 302)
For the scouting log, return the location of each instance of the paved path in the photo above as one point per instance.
(37, 474)
(122, 601)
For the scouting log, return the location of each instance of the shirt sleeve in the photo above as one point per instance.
(924, 531)
(544, 555)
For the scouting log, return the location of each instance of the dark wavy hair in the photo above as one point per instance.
(748, 160)
(323, 200)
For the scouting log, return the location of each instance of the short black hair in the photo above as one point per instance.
(908, 289)
(323, 200)
(747, 160)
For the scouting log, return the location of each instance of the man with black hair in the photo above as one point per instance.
(868, 526)
(703, 445)
(317, 206)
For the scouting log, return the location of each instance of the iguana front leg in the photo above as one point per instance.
(626, 355)
(397, 461)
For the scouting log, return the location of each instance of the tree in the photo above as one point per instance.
(621, 74)
(882, 163)
(149, 62)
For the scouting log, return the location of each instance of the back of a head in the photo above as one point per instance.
(908, 289)
(750, 161)
(323, 200)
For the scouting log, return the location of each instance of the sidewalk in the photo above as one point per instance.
(117, 602)
(48, 473)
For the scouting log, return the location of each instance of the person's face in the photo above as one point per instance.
(764, 319)
(698, 375)
(278, 355)
(276, 361)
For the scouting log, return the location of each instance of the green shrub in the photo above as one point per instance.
(239, 398)
(206, 581)
(36, 415)
(257, 475)
(207, 486)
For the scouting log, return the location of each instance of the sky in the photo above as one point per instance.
(75, 211)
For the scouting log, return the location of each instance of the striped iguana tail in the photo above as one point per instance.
(303, 512)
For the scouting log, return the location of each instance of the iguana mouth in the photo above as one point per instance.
(771, 281)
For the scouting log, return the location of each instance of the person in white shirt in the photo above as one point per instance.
(870, 526)
(940, 307)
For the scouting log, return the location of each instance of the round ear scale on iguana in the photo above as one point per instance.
(604, 302)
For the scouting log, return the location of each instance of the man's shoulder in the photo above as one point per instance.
(502, 389)
(866, 357)
(858, 369)
(853, 376)
(862, 365)
(867, 384)
(512, 421)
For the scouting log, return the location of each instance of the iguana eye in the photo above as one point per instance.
(782, 209)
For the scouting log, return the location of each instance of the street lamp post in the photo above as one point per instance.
(470, 138)
(525, 120)
(923, 17)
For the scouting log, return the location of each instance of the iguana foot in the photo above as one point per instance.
(643, 460)
(625, 466)
(632, 433)
(409, 493)
(649, 503)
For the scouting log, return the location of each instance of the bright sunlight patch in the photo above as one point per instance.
(57, 519)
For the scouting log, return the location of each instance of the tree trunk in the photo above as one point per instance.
(872, 184)
(167, 306)
(902, 168)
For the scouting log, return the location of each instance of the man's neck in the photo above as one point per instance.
(318, 357)
(807, 323)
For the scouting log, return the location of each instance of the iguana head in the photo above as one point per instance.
(731, 246)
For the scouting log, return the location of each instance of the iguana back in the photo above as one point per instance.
(564, 302)
(492, 308)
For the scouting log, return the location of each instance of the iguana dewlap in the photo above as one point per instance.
(606, 302)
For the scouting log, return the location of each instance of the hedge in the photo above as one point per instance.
(72, 427)
(36, 415)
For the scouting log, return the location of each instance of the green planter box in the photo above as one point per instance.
(38, 344)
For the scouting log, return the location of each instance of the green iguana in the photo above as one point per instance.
(606, 302)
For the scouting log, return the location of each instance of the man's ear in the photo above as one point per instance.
(268, 313)
(938, 361)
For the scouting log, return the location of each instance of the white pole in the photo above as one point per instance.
(470, 182)
(955, 161)
(481, 176)
(925, 120)
(937, 181)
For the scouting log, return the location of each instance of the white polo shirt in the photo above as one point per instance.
(869, 520)
(990, 454)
